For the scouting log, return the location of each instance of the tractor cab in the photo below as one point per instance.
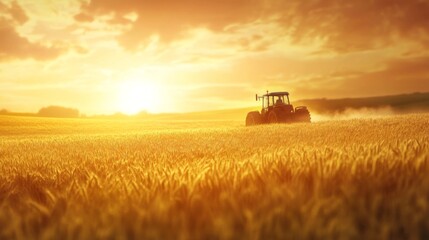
(275, 100)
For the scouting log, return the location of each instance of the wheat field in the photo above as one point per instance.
(134, 179)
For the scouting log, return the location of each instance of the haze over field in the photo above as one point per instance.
(107, 56)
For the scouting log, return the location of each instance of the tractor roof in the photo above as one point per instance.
(277, 94)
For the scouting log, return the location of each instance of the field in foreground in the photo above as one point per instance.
(86, 179)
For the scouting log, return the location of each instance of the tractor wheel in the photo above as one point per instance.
(273, 117)
(306, 118)
(279, 116)
(303, 116)
(253, 118)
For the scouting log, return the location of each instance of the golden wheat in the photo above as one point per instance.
(86, 179)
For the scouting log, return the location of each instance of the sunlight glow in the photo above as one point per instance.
(135, 96)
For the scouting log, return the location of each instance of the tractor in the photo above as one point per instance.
(276, 108)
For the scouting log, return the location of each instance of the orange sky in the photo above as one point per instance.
(106, 56)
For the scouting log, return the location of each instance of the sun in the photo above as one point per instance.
(135, 96)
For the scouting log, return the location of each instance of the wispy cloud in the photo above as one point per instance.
(13, 45)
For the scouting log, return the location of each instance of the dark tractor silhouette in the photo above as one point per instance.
(276, 108)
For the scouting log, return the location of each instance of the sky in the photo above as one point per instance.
(108, 56)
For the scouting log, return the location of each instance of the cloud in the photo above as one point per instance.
(13, 12)
(341, 26)
(399, 75)
(169, 18)
(396, 76)
(356, 25)
(82, 17)
(15, 46)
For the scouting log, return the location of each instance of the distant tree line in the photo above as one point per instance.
(50, 111)
(59, 112)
